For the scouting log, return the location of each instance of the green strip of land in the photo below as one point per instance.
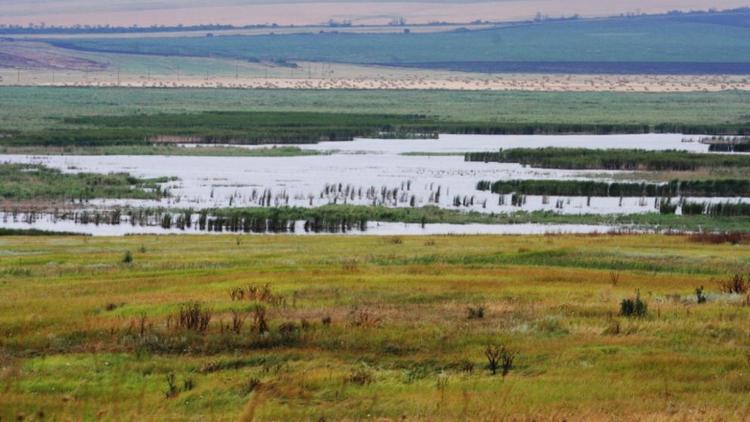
(29, 182)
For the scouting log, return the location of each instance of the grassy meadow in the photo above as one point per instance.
(372, 328)
(127, 121)
(37, 108)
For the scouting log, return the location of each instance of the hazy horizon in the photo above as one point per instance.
(301, 12)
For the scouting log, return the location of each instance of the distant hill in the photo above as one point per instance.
(718, 39)
(303, 12)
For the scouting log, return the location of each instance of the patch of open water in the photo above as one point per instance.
(372, 172)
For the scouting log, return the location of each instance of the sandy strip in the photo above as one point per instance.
(550, 83)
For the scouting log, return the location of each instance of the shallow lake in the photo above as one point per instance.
(368, 171)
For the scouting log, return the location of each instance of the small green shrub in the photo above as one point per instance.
(172, 389)
(700, 297)
(634, 307)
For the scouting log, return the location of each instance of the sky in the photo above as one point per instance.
(305, 12)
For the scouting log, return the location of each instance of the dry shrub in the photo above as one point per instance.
(350, 265)
(260, 323)
(715, 238)
(614, 278)
(363, 318)
(613, 328)
(464, 365)
(140, 324)
(237, 293)
(255, 293)
(192, 317)
(735, 284)
(238, 320)
(361, 376)
(112, 306)
(475, 312)
(499, 357)
(250, 385)
(288, 329)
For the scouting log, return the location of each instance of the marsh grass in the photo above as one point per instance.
(673, 188)
(610, 159)
(19, 182)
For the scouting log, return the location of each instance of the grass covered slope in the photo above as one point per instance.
(28, 182)
(639, 39)
(370, 328)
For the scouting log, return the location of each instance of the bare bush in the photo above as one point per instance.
(614, 278)
(260, 324)
(396, 240)
(363, 318)
(256, 293)
(288, 329)
(237, 293)
(193, 317)
(251, 385)
(475, 312)
(350, 265)
(238, 320)
(499, 357)
(361, 376)
(733, 238)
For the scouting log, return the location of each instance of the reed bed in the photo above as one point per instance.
(611, 159)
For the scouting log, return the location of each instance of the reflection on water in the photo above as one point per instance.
(49, 223)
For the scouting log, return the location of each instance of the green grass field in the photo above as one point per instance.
(371, 328)
(40, 108)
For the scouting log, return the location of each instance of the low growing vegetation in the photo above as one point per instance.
(335, 327)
